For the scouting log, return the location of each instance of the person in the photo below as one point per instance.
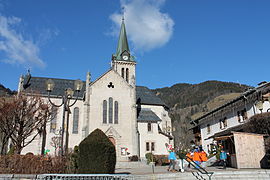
(196, 157)
(189, 157)
(203, 158)
(223, 158)
(172, 159)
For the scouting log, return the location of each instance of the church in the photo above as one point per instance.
(134, 118)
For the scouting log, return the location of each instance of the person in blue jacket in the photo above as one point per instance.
(223, 158)
(172, 159)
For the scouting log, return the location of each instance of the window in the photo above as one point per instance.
(127, 74)
(208, 129)
(105, 112)
(110, 110)
(147, 146)
(223, 123)
(242, 115)
(152, 146)
(123, 73)
(75, 120)
(115, 112)
(240, 118)
(149, 127)
(110, 115)
(53, 120)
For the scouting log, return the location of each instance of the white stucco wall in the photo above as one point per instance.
(232, 120)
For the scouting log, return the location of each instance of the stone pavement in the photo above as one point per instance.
(143, 171)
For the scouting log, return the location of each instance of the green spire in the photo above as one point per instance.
(122, 41)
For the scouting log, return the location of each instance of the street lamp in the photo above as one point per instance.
(66, 107)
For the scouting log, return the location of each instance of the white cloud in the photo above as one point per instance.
(147, 27)
(16, 49)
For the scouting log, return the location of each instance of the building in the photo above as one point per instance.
(133, 118)
(223, 121)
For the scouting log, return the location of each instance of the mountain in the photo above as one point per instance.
(6, 91)
(190, 101)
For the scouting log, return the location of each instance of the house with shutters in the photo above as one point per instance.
(134, 119)
(223, 121)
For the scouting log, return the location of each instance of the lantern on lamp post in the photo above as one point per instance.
(66, 97)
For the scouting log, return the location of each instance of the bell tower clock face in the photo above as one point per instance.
(125, 57)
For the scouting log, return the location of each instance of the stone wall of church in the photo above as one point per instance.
(53, 130)
(113, 86)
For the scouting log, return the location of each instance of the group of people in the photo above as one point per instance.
(198, 155)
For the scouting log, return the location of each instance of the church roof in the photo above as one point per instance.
(122, 41)
(38, 85)
(122, 44)
(147, 97)
(147, 115)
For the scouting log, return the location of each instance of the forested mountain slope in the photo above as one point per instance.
(189, 101)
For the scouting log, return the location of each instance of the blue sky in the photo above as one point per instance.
(174, 41)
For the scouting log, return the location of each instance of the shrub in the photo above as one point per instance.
(74, 160)
(96, 154)
(31, 164)
(133, 158)
(150, 157)
(161, 160)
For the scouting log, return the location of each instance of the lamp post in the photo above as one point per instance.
(66, 107)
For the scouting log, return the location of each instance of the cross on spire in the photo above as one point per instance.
(123, 13)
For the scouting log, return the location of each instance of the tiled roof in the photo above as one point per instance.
(148, 97)
(147, 115)
(38, 85)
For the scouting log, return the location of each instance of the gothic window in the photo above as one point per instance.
(110, 110)
(115, 112)
(123, 72)
(149, 127)
(75, 120)
(104, 111)
(127, 74)
(53, 120)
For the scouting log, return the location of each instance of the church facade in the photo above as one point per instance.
(134, 119)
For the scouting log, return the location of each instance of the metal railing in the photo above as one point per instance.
(199, 168)
(84, 177)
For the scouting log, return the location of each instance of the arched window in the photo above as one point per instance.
(110, 110)
(105, 112)
(127, 74)
(115, 112)
(53, 119)
(75, 120)
(123, 73)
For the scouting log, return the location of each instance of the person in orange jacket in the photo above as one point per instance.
(196, 157)
(203, 157)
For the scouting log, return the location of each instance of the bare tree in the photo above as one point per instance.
(55, 142)
(23, 118)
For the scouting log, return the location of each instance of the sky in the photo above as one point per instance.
(174, 41)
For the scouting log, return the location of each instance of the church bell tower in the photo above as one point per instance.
(122, 61)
